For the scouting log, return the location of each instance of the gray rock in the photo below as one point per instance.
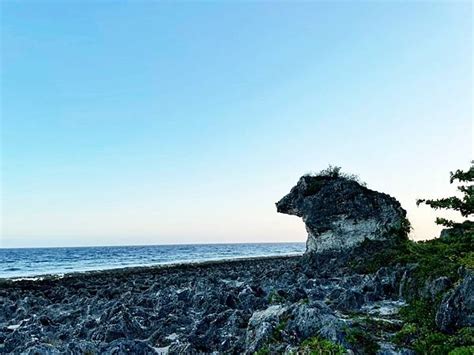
(315, 319)
(349, 301)
(41, 349)
(210, 308)
(457, 307)
(340, 214)
(261, 326)
(124, 347)
(433, 288)
(82, 347)
(391, 349)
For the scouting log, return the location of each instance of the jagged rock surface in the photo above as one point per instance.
(340, 213)
(457, 307)
(231, 307)
(270, 305)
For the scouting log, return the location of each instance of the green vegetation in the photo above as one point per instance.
(420, 333)
(464, 205)
(431, 259)
(376, 326)
(276, 336)
(463, 350)
(274, 297)
(361, 341)
(434, 258)
(265, 350)
(318, 180)
(318, 346)
(314, 345)
(334, 172)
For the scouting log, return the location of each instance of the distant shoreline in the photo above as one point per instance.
(145, 245)
(131, 270)
(41, 262)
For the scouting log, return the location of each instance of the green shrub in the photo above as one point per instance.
(420, 312)
(468, 260)
(420, 332)
(361, 341)
(265, 350)
(463, 350)
(276, 335)
(406, 335)
(274, 297)
(432, 342)
(317, 180)
(319, 346)
(434, 258)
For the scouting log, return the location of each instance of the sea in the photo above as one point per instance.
(34, 262)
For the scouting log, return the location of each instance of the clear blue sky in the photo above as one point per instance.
(159, 122)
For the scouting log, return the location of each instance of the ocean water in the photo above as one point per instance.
(29, 262)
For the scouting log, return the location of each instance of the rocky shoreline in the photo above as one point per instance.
(362, 287)
(225, 306)
(259, 305)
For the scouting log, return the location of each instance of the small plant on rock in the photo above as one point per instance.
(318, 346)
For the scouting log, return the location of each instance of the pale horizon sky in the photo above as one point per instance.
(165, 123)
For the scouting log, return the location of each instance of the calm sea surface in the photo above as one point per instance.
(28, 262)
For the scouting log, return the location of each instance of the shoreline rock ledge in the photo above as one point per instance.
(340, 213)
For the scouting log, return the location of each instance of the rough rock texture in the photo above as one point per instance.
(224, 307)
(457, 307)
(270, 305)
(340, 213)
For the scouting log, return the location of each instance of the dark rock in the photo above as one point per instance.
(124, 347)
(309, 320)
(41, 349)
(261, 326)
(120, 324)
(231, 301)
(457, 307)
(436, 287)
(182, 348)
(340, 213)
(183, 295)
(45, 321)
(15, 342)
(349, 301)
(82, 347)
(216, 308)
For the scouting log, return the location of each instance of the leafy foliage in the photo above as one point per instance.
(420, 333)
(265, 350)
(464, 205)
(334, 172)
(361, 341)
(434, 258)
(276, 335)
(462, 350)
(275, 297)
(315, 181)
(317, 346)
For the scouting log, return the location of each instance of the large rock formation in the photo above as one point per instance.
(340, 213)
(457, 307)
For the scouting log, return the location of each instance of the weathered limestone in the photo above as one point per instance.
(340, 213)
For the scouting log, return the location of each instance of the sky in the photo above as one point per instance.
(184, 122)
